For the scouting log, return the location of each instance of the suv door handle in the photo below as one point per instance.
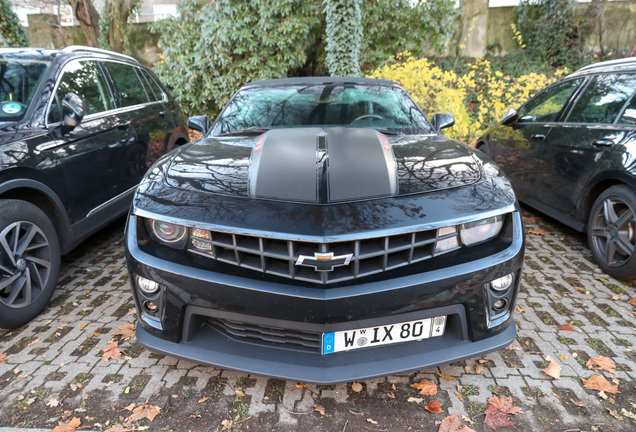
(163, 113)
(603, 142)
(538, 137)
(123, 125)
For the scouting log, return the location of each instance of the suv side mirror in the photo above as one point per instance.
(441, 121)
(199, 123)
(509, 116)
(72, 110)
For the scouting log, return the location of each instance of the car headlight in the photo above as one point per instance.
(480, 231)
(169, 234)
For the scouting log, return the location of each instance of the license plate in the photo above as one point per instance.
(382, 335)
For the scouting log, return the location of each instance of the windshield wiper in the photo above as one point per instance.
(248, 131)
(389, 131)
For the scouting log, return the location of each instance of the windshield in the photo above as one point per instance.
(372, 106)
(19, 79)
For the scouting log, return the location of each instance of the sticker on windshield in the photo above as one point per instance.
(12, 108)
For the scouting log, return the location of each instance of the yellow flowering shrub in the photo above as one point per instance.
(478, 98)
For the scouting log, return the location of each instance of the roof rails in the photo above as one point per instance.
(616, 62)
(80, 48)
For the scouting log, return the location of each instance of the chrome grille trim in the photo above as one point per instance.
(278, 256)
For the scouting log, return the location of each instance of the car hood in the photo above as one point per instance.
(322, 165)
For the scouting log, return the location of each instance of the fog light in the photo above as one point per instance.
(201, 245)
(147, 286)
(150, 307)
(499, 304)
(502, 284)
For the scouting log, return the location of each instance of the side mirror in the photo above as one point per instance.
(72, 110)
(199, 123)
(509, 116)
(441, 121)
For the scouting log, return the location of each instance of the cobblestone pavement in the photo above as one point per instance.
(53, 369)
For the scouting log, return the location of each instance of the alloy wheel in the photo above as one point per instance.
(613, 232)
(25, 264)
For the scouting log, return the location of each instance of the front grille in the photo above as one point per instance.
(259, 334)
(279, 257)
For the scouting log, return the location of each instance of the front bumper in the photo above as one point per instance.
(191, 298)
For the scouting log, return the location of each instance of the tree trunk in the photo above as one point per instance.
(116, 14)
(88, 17)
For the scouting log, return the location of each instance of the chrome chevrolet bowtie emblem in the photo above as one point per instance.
(324, 262)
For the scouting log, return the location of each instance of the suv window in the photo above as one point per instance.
(85, 80)
(547, 106)
(603, 100)
(154, 87)
(629, 116)
(131, 90)
(19, 78)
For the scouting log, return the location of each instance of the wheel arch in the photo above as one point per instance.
(47, 200)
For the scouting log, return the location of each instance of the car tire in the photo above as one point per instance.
(29, 262)
(611, 232)
(483, 147)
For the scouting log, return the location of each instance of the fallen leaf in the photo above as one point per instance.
(617, 297)
(69, 426)
(122, 427)
(615, 414)
(426, 387)
(478, 368)
(628, 414)
(126, 331)
(598, 382)
(632, 302)
(203, 399)
(416, 400)
(499, 410)
(445, 377)
(453, 424)
(83, 326)
(3, 357)
(356, 387)
(602, 395)
(567, 327)
(373, 422)
(531, 219)
(111, 352)
(434, 407)
(537, 231)
(563, 357)
(577, 403)
(52, 403)
(391, 395)
(301, 385)
(239, 393)
(320, 409)
(521, 310)
(142, 411)
(601, 363)
(553, 370)
(459, 396)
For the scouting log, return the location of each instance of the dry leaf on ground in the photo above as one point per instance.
(52, 403)
(499, 410)
(356, 387)
(537, 231)
(531, 219)
(126, 331)
(632, 302)
(478, 368)
(567, 327)
(426, 387)
(320, 409)
(553, 370)
(453, 424)
(599, 383)
(69, 426)
(416, 400)
(141, 411)
(445, 377)
(111, 352)
(434, 407)
(239, 393)
(3, 357)
(601, 363)
(373, 422)
(459, 396)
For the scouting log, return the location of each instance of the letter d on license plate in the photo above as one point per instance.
(382, 335)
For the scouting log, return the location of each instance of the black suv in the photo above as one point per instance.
(570, 152)
(78, 129)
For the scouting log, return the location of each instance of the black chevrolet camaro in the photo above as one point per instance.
(323, 231)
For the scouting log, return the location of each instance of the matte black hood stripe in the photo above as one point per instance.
(296, 165)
